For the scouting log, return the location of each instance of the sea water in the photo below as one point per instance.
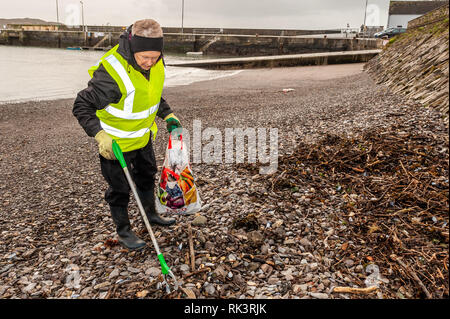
(34, 73)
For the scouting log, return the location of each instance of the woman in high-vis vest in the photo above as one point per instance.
(121, 102)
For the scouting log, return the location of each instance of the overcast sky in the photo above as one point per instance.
(280, 14)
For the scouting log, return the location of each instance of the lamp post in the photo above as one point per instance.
(57, 13)
(82, 14)
(82, 22)
(182, 15)
(365, 13)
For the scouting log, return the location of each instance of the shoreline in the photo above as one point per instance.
(307, 73)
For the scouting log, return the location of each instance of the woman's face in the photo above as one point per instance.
(147, 59)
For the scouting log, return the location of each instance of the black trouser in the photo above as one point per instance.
(142, 166)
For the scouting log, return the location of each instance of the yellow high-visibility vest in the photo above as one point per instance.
(131, 120)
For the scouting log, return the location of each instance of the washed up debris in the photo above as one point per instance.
(287, 90)
(391, 187)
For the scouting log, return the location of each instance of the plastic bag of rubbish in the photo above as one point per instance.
(176, 191)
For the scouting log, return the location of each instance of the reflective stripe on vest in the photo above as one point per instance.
(132, 116)
(123, 134)
(128, 103)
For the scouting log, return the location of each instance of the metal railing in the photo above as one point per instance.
(207, 31)
(349, 31)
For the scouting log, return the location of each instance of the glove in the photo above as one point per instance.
(172, 122)
(105, 145)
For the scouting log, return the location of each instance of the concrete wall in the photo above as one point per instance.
(262, 45)
(280, 60)
(228, 45)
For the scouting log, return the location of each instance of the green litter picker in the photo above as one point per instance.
(165, 269)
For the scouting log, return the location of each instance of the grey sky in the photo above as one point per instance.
(280, 14)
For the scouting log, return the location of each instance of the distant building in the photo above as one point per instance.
(33, 27)
(401, 12)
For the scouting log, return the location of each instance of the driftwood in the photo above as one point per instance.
(189, 293)
(395, 185)
(367, 290)
(198, 272)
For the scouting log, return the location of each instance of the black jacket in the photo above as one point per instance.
(102, 90)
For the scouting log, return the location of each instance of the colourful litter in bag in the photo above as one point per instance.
(176, 192)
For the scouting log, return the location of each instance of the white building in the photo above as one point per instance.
(401, 12)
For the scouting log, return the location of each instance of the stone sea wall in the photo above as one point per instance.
(415, 64)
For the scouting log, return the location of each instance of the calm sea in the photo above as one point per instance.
(29, 73)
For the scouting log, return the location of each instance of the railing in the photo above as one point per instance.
(349, 30)
(207, 31)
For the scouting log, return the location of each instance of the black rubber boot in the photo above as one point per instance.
(126, 236)
(148, 201)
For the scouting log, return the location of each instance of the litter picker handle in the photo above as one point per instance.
(164, 268)
(118, 152)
